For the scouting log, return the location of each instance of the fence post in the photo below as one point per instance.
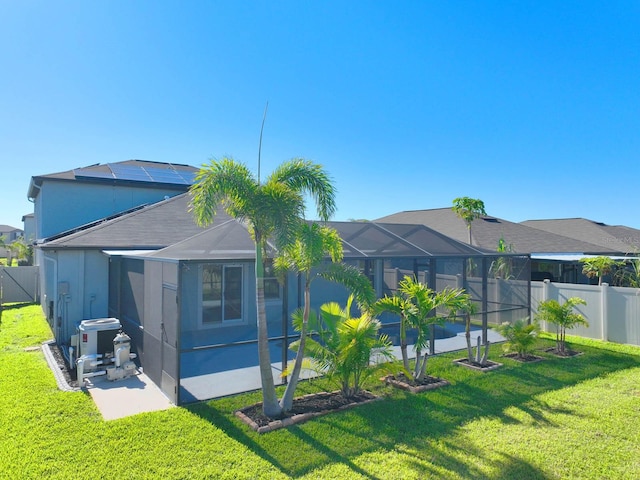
(546, 283)
(604, 306)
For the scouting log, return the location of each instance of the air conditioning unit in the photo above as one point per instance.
(95, 337)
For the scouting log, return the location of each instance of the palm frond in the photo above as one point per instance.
(308, 177)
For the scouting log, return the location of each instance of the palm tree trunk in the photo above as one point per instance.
(403, 344)
(287, 399)
(467, 336)
(270, 406)
(418, 368)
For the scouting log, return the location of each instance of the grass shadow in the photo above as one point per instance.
(421, 420)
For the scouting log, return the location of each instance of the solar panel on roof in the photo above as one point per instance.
(139, 173)
(164, 175)
(188, 177)
(89, 173)
(129, 172)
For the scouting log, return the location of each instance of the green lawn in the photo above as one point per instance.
(560, 418)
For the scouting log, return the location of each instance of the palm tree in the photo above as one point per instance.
(563, 317)
(273, 209)
(308, 251)
(599, 266)
(468, 209)
(305, 255)
(416, 305)
(520, 336)
(20, 250)
(346, 345)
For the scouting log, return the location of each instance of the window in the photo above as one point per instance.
(221, 294)
(271, 284)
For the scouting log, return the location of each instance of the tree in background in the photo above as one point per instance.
(21, 251)
(468, 209)
(502, 266)
(599, 266)
(273, 210)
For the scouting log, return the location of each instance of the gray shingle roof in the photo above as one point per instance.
(620, 238)
(169, 228)
(487, 231)
(151, 227)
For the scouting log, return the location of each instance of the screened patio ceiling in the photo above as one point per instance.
(231, 240)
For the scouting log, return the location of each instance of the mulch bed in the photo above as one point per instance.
(405, 383)
(525, 358)
(487, 367)
(566, 354)
(304, 408)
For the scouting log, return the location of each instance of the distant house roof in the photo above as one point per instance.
(487, 231)
(139, 172)
(616, 237)
(8, 229)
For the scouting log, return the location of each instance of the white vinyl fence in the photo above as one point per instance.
(613, 313)
(19, 284)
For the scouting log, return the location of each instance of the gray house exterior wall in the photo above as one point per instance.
(76, 286)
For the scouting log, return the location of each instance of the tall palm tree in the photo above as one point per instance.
(305, 256)
(273, 209)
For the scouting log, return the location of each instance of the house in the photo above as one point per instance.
(29, 227)
(186, 294)
(78, 198)
(65, 200)
(554, 256)
(9, 234)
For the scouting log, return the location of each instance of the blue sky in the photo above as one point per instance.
(531, 106)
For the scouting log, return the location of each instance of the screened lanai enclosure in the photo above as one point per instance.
(190, 308)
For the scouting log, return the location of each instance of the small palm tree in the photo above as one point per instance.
(416, 305)
(521, 336)
(273, 210)
(346, 345)
(563, 317)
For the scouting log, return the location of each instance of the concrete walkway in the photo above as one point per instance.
(126, 397)
(213, 385)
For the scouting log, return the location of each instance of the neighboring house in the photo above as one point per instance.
(10, 234)
(186, 294)
(553, 256)
(29, 225)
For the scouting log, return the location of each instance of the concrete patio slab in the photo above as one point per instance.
(126, 397)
